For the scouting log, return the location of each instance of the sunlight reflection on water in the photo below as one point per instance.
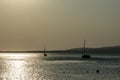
(14, 66)
(37, 67)
(16, 70)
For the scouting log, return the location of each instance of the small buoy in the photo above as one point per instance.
(63, 72)
(87, 71)
(97, 71)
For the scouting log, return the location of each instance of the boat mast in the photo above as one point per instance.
(45, 51)
(84, 47)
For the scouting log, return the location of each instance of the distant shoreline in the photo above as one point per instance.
(113, 49)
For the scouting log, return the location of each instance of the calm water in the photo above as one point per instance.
(58, 67)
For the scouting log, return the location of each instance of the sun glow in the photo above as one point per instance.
(16, 55)
(19, 2)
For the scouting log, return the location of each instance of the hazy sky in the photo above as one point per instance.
(60, 24)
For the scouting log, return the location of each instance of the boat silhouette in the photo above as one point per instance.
(84, 55)
(45, 54)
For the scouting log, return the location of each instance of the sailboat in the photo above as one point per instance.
(45, 51)
(84, 55)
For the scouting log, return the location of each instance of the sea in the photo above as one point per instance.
(36, 66)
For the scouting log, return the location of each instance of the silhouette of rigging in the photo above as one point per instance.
(45, 54)
(84, 55)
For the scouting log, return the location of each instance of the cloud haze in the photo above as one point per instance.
(60, 24)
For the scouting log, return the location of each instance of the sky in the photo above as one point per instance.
(58, 24)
